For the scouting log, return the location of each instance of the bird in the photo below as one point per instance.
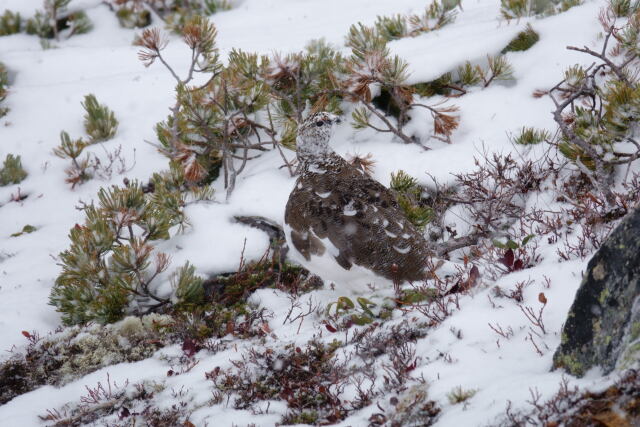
(343, 225)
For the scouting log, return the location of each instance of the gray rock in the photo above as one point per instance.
(603, 326)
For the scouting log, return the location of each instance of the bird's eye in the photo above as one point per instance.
(319, 123)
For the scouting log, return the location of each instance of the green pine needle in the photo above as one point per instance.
(12, 171)
(99, 121)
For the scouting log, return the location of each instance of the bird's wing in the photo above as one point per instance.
(360, 217)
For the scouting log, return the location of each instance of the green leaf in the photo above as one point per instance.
(361, 320)
(511, 244)
(345, 303)
(498, 244)
(366, 304)
(25, 230)
(527, 239)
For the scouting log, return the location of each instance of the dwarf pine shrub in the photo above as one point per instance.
(10, 23)
(56, 19)
(255, 102)
(81, 169)
(410, 199)
(498, 69)
(458, 81)
(434, 17)
(4, 83)
(131, 13)
(597, 107)
(524, 40)
(175, 13)
(12, 171)
(183, 11)
(111, 266)
(298, 80)
(516, 9)
(371, 66)
(99, 121)
(531, 136)
(251, 104)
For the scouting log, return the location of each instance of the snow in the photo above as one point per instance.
(46, 91)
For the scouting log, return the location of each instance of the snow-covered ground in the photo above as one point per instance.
(47, 88)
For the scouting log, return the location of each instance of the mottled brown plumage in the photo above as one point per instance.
(336, 210)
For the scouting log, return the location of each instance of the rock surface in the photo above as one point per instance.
(603, 325)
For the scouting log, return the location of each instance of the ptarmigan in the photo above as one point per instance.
(343, 225)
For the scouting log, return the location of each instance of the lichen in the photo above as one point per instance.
(599, 272)
(630, 357)
(603, 295)
(634, 331)
(570, 363)
(78, 351)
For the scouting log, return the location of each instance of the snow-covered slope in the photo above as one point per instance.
(48, 86)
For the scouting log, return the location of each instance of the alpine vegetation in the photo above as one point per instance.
(4, 83)
(174, 13)
(11, 171)
(111, 267)
(55, 21)
(99, 122)
(319, 212)
(597, 106)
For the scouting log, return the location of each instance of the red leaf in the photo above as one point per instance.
(474, 275)
(189, 347)
(26, 334)
(542, 298)
(231, 326)
(508, 258)
(518, 265)
(124, 412)
(265, 328)
(330, 328)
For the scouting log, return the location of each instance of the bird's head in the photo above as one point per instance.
(314, 134)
